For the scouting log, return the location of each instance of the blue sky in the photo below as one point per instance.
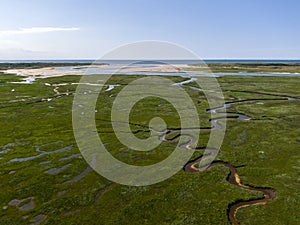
(73, 29)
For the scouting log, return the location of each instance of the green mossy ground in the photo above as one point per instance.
(251, 67)
(266, 147)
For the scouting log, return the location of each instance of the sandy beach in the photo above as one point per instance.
(57, 72)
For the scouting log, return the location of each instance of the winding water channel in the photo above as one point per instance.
(193, 166)
(233, 178)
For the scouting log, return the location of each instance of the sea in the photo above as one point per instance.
(164, 61)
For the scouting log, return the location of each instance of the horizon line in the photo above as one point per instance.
(93, 59)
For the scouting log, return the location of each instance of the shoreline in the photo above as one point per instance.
(159, 70)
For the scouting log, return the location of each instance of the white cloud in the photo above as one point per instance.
(33, 30)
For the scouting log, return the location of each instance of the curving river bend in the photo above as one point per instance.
(233, 178)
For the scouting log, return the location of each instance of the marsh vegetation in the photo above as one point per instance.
(45, 180)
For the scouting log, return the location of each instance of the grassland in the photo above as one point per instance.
(35, 65)
(265, 150)
(255, 67)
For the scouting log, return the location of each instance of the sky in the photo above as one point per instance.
(213, 29)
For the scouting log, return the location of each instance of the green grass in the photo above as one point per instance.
(199, 198)
(247, 67)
